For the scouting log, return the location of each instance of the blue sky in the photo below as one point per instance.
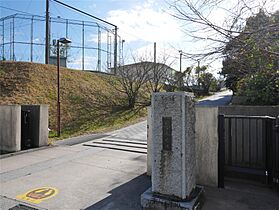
(140, 22)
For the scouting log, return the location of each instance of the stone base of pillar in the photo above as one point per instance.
(150, 201)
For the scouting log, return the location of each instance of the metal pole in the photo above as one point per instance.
(82, 45)
(10, 41)
(58, 90)
(13, 38)
(155, 48)
(47, 34)
(198, 73)
(3, 39)
(99, 48)
(115, 49)
(107, 50)
(67, 25)
(122, 52)
(31, 46)
(119, 51)
(180, 61)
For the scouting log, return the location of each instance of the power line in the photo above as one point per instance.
(85, 13)
(15, 10)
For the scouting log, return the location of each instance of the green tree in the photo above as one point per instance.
(205, 80)
(251, 55)
(261, 88)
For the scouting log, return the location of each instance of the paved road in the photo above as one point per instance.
(219, 99)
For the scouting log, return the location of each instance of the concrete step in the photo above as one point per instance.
(126, 148)
(120, 144)
(125, 141)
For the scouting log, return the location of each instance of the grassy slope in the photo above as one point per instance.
(88, 102)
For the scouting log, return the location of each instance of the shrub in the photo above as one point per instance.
(261, 88)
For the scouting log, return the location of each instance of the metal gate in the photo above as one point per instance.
(248, 148)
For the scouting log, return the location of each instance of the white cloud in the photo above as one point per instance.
(90, 62)
(145, 23)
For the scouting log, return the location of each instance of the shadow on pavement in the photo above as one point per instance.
(124, 197)
(241, 195)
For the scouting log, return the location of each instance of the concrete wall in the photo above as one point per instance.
(206, 129)
(43, 131)
(207, 145)
(10, 128)
(272, 111)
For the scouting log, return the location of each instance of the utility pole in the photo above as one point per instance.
(47, 34)
(199, 72)
(155, 52)
(180, 61)
(58, 90)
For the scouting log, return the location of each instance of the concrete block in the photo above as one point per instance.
(173, 138)
(10, 128)
(149, 201)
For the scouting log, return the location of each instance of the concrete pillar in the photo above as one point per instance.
(10, 128)
(173, 154)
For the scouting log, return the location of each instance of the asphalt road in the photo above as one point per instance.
(219, 99)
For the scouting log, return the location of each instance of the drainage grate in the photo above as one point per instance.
(22, 207)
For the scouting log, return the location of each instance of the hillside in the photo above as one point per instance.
(88, 102)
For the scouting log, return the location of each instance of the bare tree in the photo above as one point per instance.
(199, 23)
(130, 79)
(159, 74)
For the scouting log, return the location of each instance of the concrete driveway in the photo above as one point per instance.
(105, 172)
(85, 177)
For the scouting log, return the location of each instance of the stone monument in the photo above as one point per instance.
(173, 154)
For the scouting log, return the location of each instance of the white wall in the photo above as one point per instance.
(10, 128)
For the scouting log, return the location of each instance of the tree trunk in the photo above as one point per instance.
(131, 102)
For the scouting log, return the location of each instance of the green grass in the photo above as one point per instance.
(89, 104)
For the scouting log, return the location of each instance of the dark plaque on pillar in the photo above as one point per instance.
(167, 133)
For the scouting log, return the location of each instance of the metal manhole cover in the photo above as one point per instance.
(22, 207)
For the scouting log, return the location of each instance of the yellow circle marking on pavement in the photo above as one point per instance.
(38, 195)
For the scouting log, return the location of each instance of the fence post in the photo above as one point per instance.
(269, 149)
(221, 151)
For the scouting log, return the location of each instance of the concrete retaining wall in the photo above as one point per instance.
(272, 111)
(10, 128)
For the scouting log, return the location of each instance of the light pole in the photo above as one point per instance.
(180, 69)
(122, 52)
(199, 73)
(63, 41)
(180, 61)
